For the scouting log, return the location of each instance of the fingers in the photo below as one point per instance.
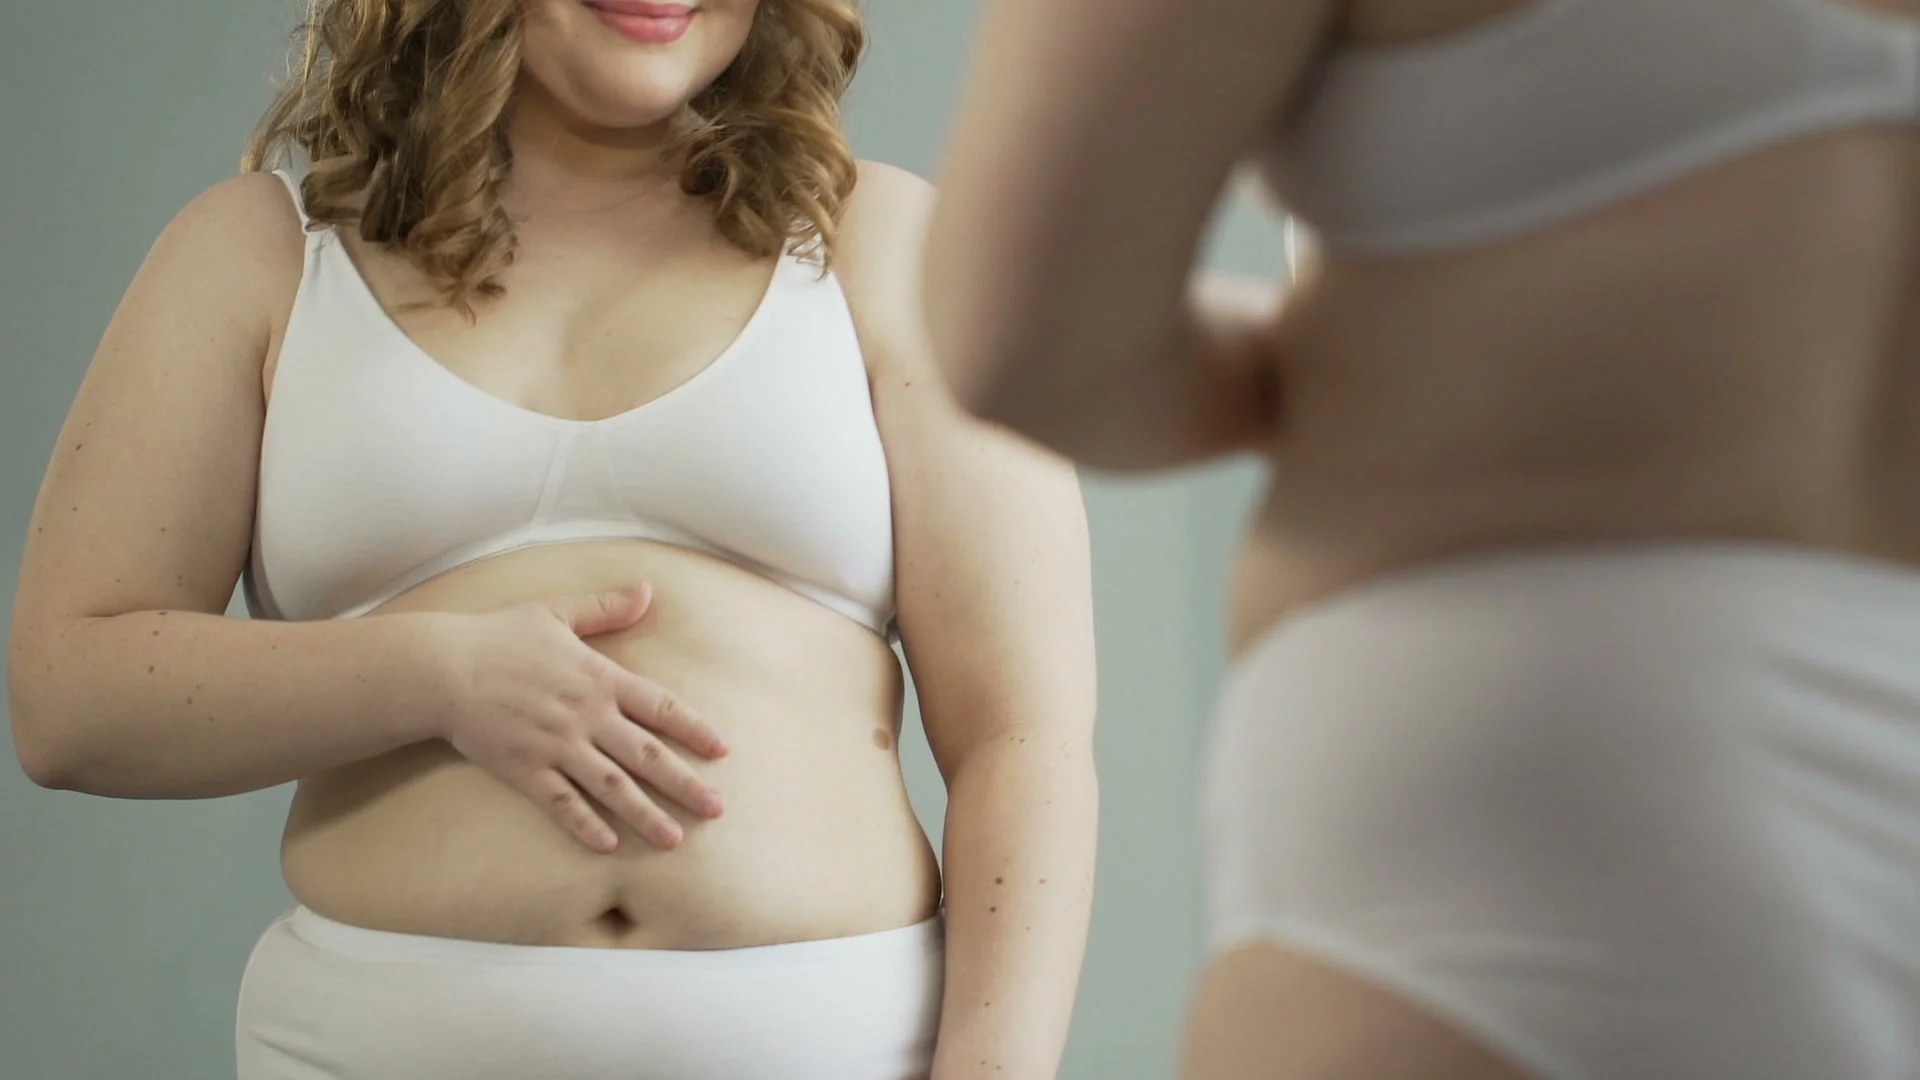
(612, 783)
(641, 755)
(648, 704)
(603, 613)
(552, 790)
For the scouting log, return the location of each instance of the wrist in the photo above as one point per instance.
(433, 673)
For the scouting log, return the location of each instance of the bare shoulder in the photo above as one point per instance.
(157, 499)
(883, 230)
(241, 237)
(251, 213)
(877, 259)
(887, 192)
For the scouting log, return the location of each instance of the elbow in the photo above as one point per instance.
(981, 376)
(976, 381)
(48, 770)
(45, 761)
(1022, 375)
(55, 754)
(48, 760)
(1025, 398)
(991, 376)
(1002, 399)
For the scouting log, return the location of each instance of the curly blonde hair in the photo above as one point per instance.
(398, 105)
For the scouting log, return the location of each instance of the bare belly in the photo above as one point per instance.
(1733, 357)
(818, 840)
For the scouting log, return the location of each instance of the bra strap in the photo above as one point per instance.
(293, 190)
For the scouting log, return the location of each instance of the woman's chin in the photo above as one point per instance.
(629, 104)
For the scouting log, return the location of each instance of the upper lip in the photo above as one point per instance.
(643, 9)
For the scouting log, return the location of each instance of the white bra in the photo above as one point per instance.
(381, 469)
(1565, 106)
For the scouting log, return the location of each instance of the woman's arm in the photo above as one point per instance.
(996, 614)
(1093, 144)
(124, 677)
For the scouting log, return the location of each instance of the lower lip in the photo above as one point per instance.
(647, 29)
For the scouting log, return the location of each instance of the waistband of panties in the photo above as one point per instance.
(382, 945)
(1756, 559)
(1728, 573)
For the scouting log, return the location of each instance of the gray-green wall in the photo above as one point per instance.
(124, 926)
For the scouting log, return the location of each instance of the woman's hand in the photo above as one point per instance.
(544, 712)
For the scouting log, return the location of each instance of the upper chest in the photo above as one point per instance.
(592, 323)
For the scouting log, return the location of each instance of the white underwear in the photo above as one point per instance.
(326, 1001)
(1617, 813)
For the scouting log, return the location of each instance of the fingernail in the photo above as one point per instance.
(714, 805)
(667, 837)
